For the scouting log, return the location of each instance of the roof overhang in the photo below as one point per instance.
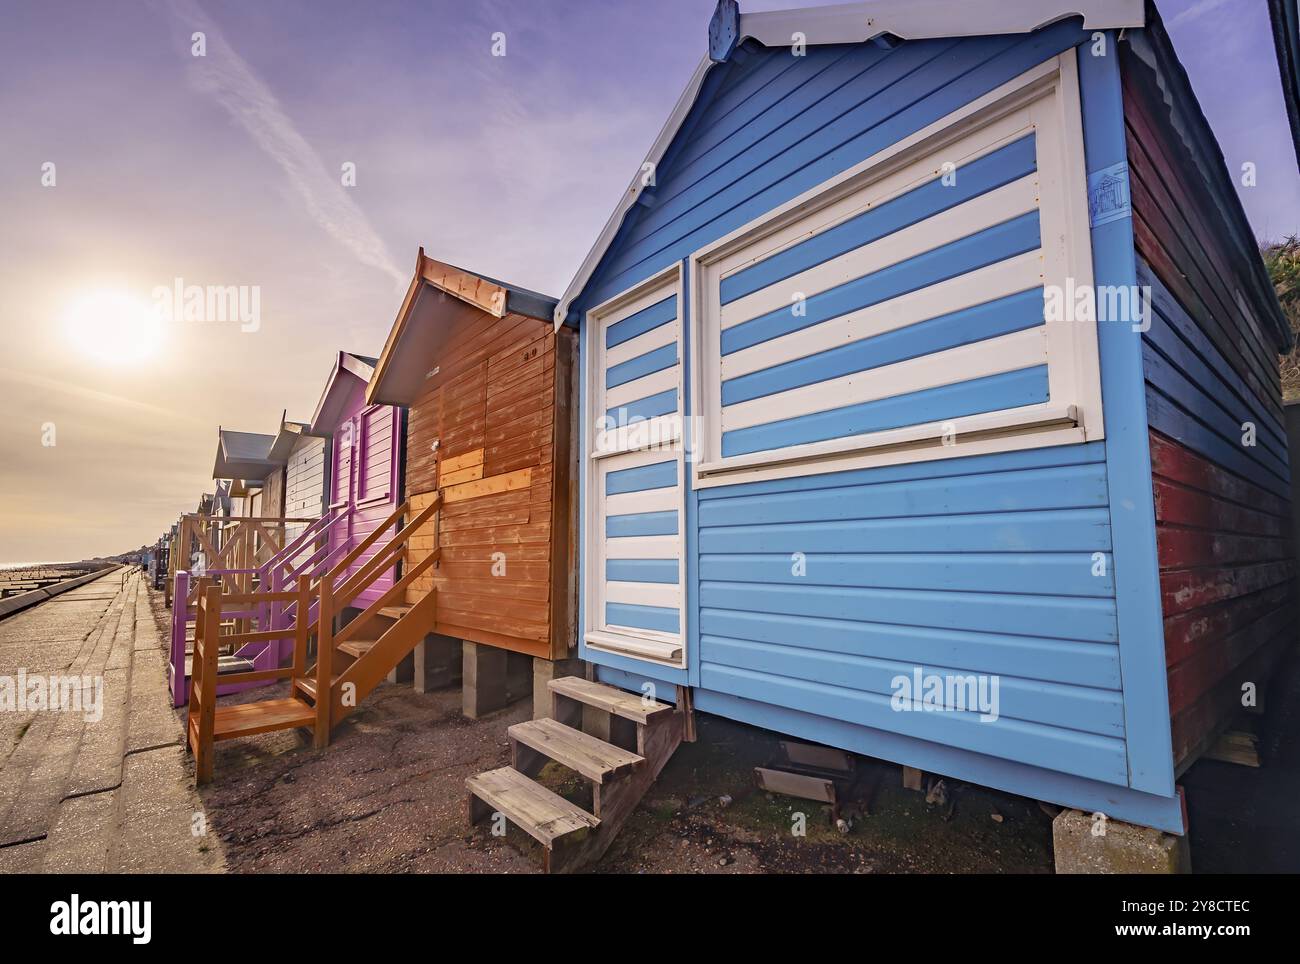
(286, 438)
(243, 455)
(439, 297)
(848, 23)
(1286, 38)
(333, 400)
(1168, 82)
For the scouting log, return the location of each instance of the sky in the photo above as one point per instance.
(127, 163)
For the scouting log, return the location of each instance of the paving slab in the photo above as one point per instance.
(108, 793)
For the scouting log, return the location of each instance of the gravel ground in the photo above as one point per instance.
(388, 796)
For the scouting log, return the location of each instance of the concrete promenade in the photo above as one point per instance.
(106, 788)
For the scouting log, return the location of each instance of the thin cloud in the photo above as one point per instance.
(228, 79)
(1195, 11)
(79, 391)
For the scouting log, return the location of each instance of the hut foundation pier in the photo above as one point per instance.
(491, 678)
(1086, 843)
(404, 671)
(437, 663)
(545, 670)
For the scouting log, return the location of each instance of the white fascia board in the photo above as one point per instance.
(926, 19)
(854, 23)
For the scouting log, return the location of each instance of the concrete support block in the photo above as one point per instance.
(492, 678)
(1084, 843)
(545, 670)
(404, 671)
(483, 679)
(438, 663)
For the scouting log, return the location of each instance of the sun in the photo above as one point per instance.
(113, 327)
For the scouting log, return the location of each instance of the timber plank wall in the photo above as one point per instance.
(1223, 504)
(499, 409)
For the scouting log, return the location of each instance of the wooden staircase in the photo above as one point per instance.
(636, 737)
(349, 663)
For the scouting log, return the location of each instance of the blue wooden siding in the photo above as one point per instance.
(978, 565)
(967, 566)
(771, 126)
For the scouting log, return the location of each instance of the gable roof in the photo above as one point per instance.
(439, 295)
(329, 408)
(845, 23)
(242, 455)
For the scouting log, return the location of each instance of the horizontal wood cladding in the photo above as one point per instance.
(483, 434)
(1227, 576)
(1219, 453)
(272, 502)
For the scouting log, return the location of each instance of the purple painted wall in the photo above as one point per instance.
(363, 473)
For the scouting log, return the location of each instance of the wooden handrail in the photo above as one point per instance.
(396, 592)
(295, 549)
(368, 541)
(223, 519)
(267, 636)
(291, 548)
(385, 557)
(247, 598)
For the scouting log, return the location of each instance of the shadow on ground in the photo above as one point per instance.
(388, 797)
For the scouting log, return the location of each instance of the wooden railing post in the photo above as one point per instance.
(204, 692)
(324, 659)
(302, 621)
(180, 622)
(192, 711)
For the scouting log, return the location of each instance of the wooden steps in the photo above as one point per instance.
(629, 706)
(247, 719)
(619, 774)
(543, 815)
(357, 648)
(354, 666)
(594, 759)
(307, 684)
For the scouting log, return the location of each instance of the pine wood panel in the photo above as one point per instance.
(491, 410)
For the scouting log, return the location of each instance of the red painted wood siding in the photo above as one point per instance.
(1222, 504)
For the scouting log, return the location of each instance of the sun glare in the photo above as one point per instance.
(113, 327)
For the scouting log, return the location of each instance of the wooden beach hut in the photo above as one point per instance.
(489, 386)
(362, 562)
(305, 461)
(938, 348)
(243, 544)
(365, 466)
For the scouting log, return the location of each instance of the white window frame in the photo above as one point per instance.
(649, 436)
(1044, 99)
